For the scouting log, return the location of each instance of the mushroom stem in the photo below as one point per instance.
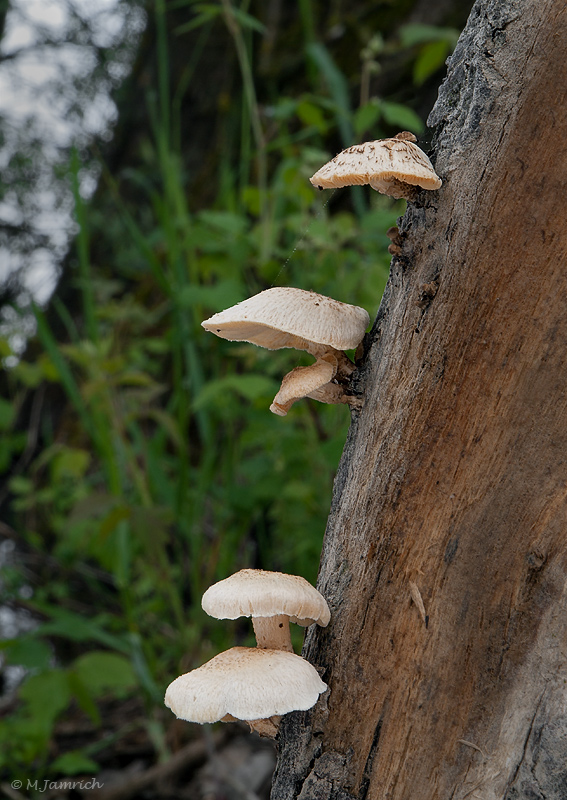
(272, 633)
(335, 393)
(343, 365)
(398, 189)
(302, 380)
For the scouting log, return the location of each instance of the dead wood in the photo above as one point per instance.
(454, 475)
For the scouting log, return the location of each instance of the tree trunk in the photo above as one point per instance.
(453, 484)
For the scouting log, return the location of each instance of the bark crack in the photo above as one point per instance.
(366, 776)
(522, 758)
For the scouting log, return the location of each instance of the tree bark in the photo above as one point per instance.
(453, 482)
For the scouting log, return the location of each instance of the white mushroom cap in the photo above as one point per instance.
(248, 684)
(287, 317)
(259, 593)
(384, 164)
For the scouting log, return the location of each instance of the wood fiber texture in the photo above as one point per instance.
(454, 474)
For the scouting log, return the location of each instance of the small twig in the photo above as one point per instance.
(10, 792)
(191, 755)
(417, 599)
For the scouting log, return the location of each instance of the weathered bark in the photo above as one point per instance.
(454, 475)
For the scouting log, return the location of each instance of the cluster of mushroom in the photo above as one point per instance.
(255, 684)
(261, 684)
(286, 317)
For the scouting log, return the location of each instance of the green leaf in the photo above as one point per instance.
(84, 697)
(413, 34)
(338, 87)
(27, 652)
(22, 739)
(252, 200)
(5, 349)
(142, 670)
(74, 763)
(66, 624)
(248, 21)
(7, 412)
(152, 527)
(137, 378)
(103, 672)
(310, 114)
(31, 375)
(70, 462)
(167, 423)
(401, 116)
(207, 13)
(366, 116)
(64, 373)
(345, 227)
(221, 295)
(430, 59)
(284, 109)
(21, 485)
(46, 695)
(77, 628)
(251, 387)
(224, 221)
(113, 519)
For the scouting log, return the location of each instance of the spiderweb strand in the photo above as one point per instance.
(302, 236)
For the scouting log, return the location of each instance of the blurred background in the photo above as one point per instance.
(154, 166)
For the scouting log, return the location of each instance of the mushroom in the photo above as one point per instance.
(272, 599)
(257, 686)
(287, 317)
(396, 167)
(396, 241)
(303, 381)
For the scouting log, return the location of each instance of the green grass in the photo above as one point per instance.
(165, 470)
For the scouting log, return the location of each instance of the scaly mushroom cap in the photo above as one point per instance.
(288, 317)
(246, 683)
(388, 165)
(259, 593)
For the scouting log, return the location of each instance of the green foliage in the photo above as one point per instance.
(433, 46)
(25, 737)
(163, 469)
(394, 114)
(73, 763)
(98, 672)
